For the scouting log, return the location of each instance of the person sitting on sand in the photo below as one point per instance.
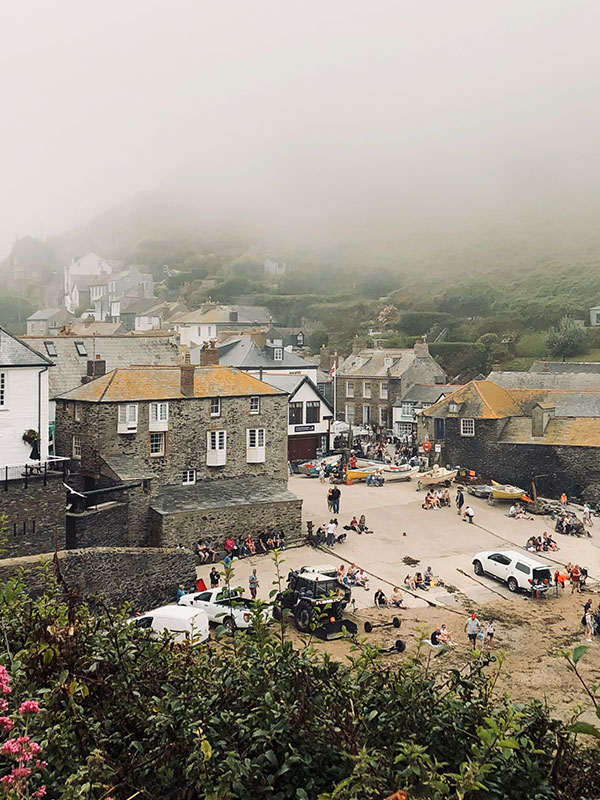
(409, 582)
(429, 502)
(548, 543)
(446, 636)
(420, 582)
(362, 579)
(396, 599)
(445, 498)
(362, 525)
(381, 600)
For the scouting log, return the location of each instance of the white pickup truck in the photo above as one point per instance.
(225, 608)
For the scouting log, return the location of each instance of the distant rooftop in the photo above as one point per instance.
(17, 353)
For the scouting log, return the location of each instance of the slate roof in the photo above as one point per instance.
(565, 367)
(567, 431)
(116, 351)
(220, 494)
(246, 354)
(18, 353)
(371, 363)
(479, 400)
(546, 380)
(247, 315)
(429, 392)
(49, 313)
(291, 384)
(132, 384)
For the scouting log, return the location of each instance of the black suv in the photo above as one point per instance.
(315, 597)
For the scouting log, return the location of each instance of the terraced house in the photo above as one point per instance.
(175, 454)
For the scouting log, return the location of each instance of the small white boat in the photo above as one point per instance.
(436, 475)
(393, 472)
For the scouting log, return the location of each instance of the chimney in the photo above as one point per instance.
(96, 368)
(545, 367)
(325, 358)
(356, 346)
(209, 354)
(259, 338)
(496, 366)
(187, 380)
(541, 414)
(233, 316)
(421, 349)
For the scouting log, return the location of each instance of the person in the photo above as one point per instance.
(362, 579)
(409, 582)
(381, 600)
(214, 578)
(332, 525)
(428, 576)
(253, 584)
(460, 500)
(396, 599)
(531, 545)
(576, 579)
(249, 545)
(548, 543)
(587, 516)
(352, 462)
(353, 525)
(180, 591)
(446, 636)
(428, 502)
(322, 472)
(362, 525)
(589, 625)
(468, 514)
(445, 499)
(340, 538)
(335, 494)
(472, 629)
(563, 499)
(263, 541)
(420, 582)
(329, 499)
(341, 573)
(489, 634)
(231, 548)
(435, 637)
(202, 552)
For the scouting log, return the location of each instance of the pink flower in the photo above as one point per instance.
(3, 705)
(40, 792)
(29, 707)
(20, 773)
(7, 780)
(10, 747)
(6, 723)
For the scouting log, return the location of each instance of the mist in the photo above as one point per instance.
(308, 123)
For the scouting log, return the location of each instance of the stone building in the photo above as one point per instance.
(517, 435)
(188, 452)
(371, 382)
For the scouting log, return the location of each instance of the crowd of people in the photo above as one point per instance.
(437, 498)
(541, 544)
(353, 576)
(263, 542)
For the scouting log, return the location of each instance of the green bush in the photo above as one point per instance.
(466, 358)
(418, 323)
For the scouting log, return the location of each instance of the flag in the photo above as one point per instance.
(332, 371)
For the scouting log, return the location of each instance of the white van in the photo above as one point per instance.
(183, 623)
(517, 570)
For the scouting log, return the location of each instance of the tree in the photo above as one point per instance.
(567, 339)
(317, 339)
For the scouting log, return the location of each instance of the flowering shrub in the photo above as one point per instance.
(21, 763)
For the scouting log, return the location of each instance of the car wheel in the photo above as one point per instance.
(478, 568)
(229, 625)
(512, 584)
(303, 616)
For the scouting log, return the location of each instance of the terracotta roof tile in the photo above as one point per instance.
(130, 384)
(479, 399)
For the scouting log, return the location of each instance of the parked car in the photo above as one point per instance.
(516, 570)
(225, 607)
(183, 624)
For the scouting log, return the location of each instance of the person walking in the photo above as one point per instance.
(460, 500)
(214, 578)
(331, 528)
(489, 634)
(322, 472)
(576, 579)
(587, 516)
(589, 625)
(253, 584)
(472, 629)
(336, 494)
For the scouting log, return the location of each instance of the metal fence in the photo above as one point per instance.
(33, 470)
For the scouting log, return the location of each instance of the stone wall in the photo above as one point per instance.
(105, 526)
(34, 512)
(118, 574)
(214, 524)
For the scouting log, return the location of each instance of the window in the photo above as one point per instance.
(383, 390)
(255, 445)
(157, 444)
(295, 414)
(2, 389)
(159, 417)
(76, 412)
(188, 477)
(467, 427)
(367, 389)
(255, 405)
(366, 414)
(439, 429)
(500, 559)
(50, 348)
(112, 287)
(300, 339)
(77, 447)
(522, 567)
(215, 407)
(313, 411)
(382, 415)
(349, 414)
(81, 349)
(349, 388)
(216, 448)
(278, 354)
(128, 417)
(452, 408)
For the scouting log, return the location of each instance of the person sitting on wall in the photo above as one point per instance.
(231, 548)
(380, 599)
(249, 545)
(263, 541)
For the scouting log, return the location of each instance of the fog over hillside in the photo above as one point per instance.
(339, 126)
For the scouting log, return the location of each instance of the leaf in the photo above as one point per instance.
(585, 727)
(301, 794)
(206, 749)
(579, 652)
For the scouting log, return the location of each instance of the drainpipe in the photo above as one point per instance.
(44, 369)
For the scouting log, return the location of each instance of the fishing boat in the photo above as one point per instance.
(311, 468)
(435, 475)
(360, 473)
(401, 472)
(506, 492)
(480, 490)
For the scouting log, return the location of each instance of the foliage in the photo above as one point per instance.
(567, 339)
(317, 339)
(466, 358)
(417, 323)
(252, 716)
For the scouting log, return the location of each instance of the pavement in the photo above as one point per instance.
(437, 538)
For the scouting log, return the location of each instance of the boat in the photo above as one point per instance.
(360, 473)
(394, 472)
(502, 491)
(434, 476)
(311, 468)
(480, 490)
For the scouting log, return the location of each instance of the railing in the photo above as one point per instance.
(33, 469)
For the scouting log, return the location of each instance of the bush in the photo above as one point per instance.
(567, 339)
(461, 358)
(418, 323)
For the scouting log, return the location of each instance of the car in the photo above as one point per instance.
(183, 624)
(316, 598)
(225, 607)
(516, 570)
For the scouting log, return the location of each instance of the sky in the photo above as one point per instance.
(323, 118)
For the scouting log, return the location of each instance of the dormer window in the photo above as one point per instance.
(278, 354)
(453, 408)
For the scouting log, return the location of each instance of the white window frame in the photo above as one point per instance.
(127, 419)
(452, 408)
(158, 453)
(408, 409)
(367, 390)
(215, 406)
(313, 404)
(255, 445)
(158, 417)
(3, 389)
(383, 390)
(349, 388)
(216, 448)
(81, 349)
(188, 477)
(366, 415)
(76, 412)
(255, 405)
(467, 427)
(278, 354)
(349, 412)
(76, 447)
